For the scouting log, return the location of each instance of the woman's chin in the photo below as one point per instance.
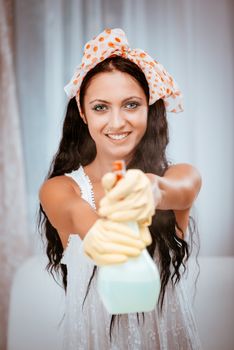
(120, 155)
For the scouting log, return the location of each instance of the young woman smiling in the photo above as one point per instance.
(117, 110)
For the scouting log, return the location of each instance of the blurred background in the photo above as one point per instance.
(41, 44)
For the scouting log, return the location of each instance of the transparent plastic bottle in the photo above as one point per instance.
(133, 286)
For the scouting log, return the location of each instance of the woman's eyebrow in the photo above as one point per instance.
(98, 100)
(126, 99)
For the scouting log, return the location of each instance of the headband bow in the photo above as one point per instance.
(113, 42)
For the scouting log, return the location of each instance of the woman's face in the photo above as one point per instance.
(115, 109)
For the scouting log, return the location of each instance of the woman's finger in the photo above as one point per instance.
(108, 181)
(122, 189)
(120, 238)
(106, 201)
(109, 259)
(145, 235)
(118, 227)
(126, 215)
(136, 201)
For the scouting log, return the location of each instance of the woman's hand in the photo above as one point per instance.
(133, 198)
(110, 242)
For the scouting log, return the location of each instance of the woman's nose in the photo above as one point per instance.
(117, 119)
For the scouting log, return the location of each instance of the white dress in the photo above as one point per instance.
(87, 327)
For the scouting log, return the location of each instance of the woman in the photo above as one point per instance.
(117, 110)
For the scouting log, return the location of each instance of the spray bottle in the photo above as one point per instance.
(132, 286)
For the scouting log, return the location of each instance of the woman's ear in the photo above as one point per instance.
(80, 111)
(83, 117)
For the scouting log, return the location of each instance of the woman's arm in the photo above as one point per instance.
(65, 209)
(105, 242)
(178, 187)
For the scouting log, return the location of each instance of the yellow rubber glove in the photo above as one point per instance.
(145, 234)
(110, 242)
(131, 199)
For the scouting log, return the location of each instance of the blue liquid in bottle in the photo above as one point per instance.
(130, 287)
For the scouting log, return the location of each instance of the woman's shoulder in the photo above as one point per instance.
(185, 168)
(61, 201)
(61, 184)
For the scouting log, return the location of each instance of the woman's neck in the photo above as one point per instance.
(98, 168)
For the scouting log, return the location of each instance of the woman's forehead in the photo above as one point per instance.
(113, 84)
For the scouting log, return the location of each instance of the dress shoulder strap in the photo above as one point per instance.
(84, 184)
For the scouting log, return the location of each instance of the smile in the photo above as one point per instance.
(118, 136)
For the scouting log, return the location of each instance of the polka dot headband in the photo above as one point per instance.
(113, 42)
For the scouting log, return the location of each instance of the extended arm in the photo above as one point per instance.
(178, 188)
(176, 191)
(104, 241)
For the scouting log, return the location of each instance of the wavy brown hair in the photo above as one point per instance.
(78, 148)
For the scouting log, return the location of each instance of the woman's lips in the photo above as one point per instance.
(118, 136)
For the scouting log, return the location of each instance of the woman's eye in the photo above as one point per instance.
(99, 108)
(132, 105)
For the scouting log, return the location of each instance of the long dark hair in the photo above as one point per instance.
(78, 148)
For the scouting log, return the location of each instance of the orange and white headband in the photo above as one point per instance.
(113, 42)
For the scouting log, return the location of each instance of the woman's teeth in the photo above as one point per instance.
(118, 136)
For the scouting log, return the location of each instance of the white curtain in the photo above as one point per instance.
(14, 240)
(192, 39)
